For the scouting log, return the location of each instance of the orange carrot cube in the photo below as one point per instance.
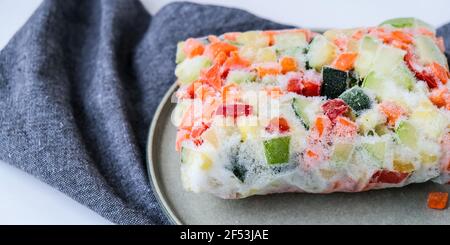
(288, 64)
(345, 61)
(437, 200)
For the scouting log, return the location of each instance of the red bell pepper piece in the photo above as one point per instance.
(388, 177)
(295, 85)
(304, 86)
(439, 71)
(334, 108)
(233, 62)
(212, 76)
(278, 124)
(198, 130)
(193, 47)
(311, 88)
(428, 77)
(213, 49)
(424, 74)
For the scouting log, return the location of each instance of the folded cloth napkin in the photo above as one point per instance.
(79, 84)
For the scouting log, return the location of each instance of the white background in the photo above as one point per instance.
(26, 200)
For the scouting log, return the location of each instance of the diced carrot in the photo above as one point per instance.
(231, 36)
(437, 200)
(392, 111)
(268, 69)
(439, 71)
(199, 129)
(312, 154)
(320, 125)
(344, 127)
(278, 124)
(344, 121)
(193, 47)
(288, 64)
(213, 39)
(401, 36)
(311, 157)
(212, 76)
(345, 61)
(220, 58)
(213, 49)
(440, 96)
(234, 62)
(400, 45)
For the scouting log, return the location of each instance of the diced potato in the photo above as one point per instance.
(288, 40)
(248, 52)
(429, 120)
(369, 120)
(266, 55)
(253, 38)
(189, 70)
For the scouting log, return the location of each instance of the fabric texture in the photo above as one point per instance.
(79, 84)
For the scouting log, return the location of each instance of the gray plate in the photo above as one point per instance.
(405, 205)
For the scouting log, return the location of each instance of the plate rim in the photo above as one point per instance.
(151, 171)
(168, 210)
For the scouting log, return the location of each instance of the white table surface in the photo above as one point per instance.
(26, 200)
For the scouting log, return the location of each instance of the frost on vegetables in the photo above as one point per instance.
(296, 111)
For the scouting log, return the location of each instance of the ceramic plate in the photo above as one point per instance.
(407, 205)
